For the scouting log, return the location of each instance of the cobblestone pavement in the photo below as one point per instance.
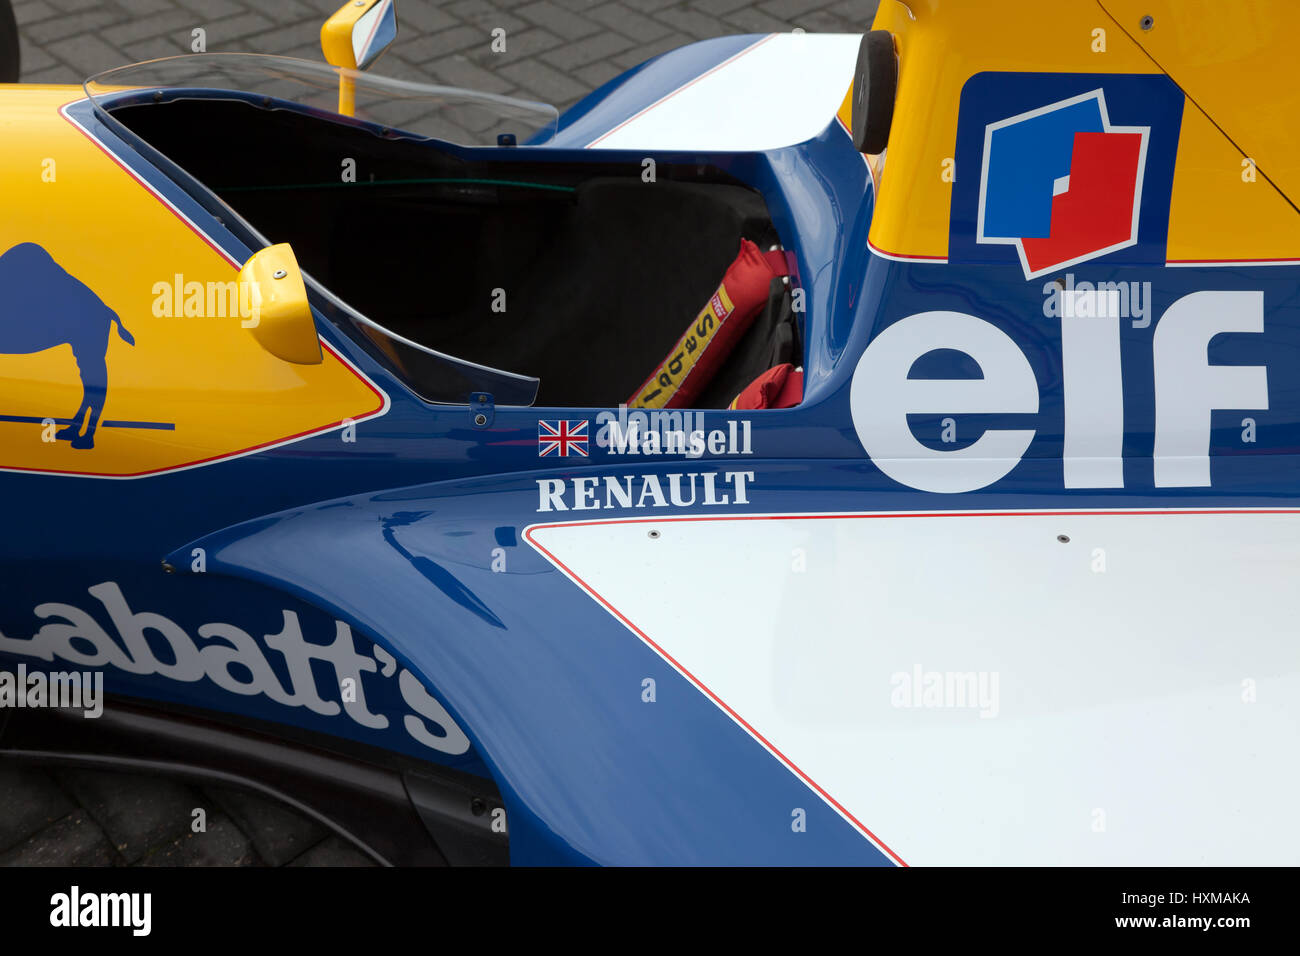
(556, 51)
(99, 818)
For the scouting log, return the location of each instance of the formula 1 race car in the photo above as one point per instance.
(932, 390)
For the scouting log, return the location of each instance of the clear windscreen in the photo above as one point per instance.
(418, 110)
(389, 109)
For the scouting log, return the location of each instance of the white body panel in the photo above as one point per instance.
(1123, 730)
(783, 90)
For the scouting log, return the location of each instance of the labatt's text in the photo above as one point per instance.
(1187, 390)
(70, 634)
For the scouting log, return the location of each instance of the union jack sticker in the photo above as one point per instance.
(562, 438)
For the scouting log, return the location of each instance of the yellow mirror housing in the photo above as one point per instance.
(282, 321)
(353, 38)
(358, 33)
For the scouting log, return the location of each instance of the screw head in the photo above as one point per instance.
(480, 419)
(653, 534)
(1063, 538)
(1148, 22)
(279, 274)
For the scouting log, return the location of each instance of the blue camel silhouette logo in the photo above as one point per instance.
(42, 306)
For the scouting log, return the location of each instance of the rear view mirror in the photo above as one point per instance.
(358, 33)
(354, 38)
(282, 321)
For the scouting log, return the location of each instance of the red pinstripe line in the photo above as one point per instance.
(929, 514)
(148, 187)
(899, 255)
(767, 744)
(1246, 260)
(224, 455)
(720, 703)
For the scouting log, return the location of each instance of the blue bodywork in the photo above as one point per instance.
(395, 535)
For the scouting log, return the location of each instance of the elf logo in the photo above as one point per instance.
(1187, 390)
(1061, 183)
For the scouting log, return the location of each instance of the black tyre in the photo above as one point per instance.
(874, 86)
(8, 43)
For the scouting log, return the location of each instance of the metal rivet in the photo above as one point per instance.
(480, 419)
(279, 274)
(477, 807)
(1063, 538)
(654, 534)
(1148, 22)
(168, 568)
